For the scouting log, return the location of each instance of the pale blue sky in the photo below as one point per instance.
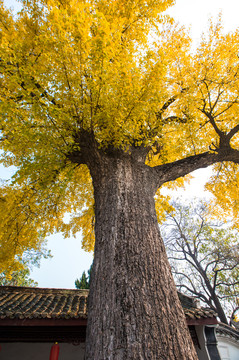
(69, 259)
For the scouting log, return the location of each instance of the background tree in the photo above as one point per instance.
(22, 229)
(84, 282)
(17, 278)
(204, 255)
(18, 274)
(98, 91)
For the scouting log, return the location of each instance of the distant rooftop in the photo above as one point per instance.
(227, 331)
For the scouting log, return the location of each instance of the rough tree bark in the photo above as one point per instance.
(134, 310)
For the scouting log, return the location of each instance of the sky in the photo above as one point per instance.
(69, 260)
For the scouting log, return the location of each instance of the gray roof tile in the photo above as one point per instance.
(43, 303)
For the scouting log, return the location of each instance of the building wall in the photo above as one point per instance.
(228, 348)
(202, 352)
(40, 351)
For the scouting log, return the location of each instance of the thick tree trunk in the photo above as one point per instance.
(134, 310)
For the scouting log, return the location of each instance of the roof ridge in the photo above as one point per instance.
(24, 289)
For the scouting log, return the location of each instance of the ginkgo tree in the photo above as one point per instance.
(102, 103)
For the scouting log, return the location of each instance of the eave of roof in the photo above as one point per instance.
(227, 331)
(21, 306)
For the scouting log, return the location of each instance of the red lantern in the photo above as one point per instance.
(54, 351)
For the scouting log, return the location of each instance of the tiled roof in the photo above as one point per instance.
(38, 303)
(42, 303)
(192, 309)
(227, 331)
(200, 313)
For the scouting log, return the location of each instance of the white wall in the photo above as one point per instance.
(40, 351)
(228, 348)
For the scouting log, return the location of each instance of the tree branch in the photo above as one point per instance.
(212, 121)
(233, 131)
(197, 294)
(168, 103)
(171, 171)
(228, 283)
(22, 84)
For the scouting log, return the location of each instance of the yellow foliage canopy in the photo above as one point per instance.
(118, 69)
